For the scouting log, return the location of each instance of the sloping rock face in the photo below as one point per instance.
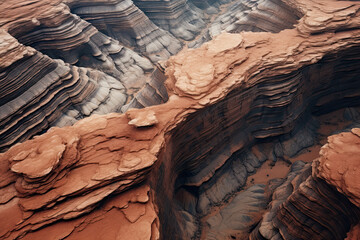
(123, 21)
(92, 35)
(233, 104)
(38, 92)
(254, 16)
(49, 27)
(58, 177)
(175, 16)
(95, 76)
(322, 204)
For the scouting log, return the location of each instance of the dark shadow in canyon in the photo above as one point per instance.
(210, 155)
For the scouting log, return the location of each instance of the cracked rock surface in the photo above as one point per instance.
(187, 168)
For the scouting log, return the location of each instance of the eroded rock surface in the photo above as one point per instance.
(114, 37)
(57, 176)
(254, 16)
(313, 205)
(232, 104)
(38, 92)
(123, 21)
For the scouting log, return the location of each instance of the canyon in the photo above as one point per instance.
(179, 119)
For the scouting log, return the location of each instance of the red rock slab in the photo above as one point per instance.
(354, 233)
(339, 163)
(112, 156)
(130, 215)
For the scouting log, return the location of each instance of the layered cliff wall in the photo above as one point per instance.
(233, 104)
(124, 21)
(38, 92)
(322, 203)
(114, 37)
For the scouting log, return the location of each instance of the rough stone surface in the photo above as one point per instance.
(314, 204)
(339, 164)
(232, 104)
(116, 38)
(141, 119)
(58, 176)
(354, 233)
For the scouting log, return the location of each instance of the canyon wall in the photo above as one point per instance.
(123, 40)
(97, 73)
(178, 170)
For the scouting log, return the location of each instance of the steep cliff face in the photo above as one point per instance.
(88, 34)
(38, 92)
(255, 16)
(58, 177)
(180, 170)
(123, 21)
(322, 203)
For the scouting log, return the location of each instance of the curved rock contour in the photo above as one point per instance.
(234, 103)
(39, 92)
(322, 204)
(74, 31)
(123, 21)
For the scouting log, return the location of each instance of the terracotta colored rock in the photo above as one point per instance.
(339, 164)
(354, 233)
(233, 104)
(141, 119)
(87, 34)
(59, 178)
(316, 200)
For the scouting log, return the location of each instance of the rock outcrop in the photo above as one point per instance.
(123, 21)
(57, 176)
(232, 104)
(38, 92)
(255, 16)
(86, 34)
(322, 203)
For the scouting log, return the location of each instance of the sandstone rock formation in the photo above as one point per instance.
(314, 204)
(233, 104)
(254, 16)
(354, 233)
(58, 177)
(123, 21)
(89, 34)
(50, 28)
(38, 92)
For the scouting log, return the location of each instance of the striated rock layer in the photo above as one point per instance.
(175, 16)
(38, 92)
(123, 21)
(68, 37)
(87, 34)
(233, 103)
(315, 205)
(255, 16)
(58, 177)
